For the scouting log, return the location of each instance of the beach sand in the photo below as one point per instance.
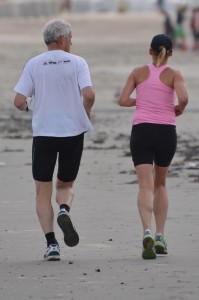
(107, 263)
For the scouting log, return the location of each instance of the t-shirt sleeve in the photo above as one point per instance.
(84, 78)
(25, 84)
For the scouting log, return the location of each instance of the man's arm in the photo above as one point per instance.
(20, 102)
(88, 99)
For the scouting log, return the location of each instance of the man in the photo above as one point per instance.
(60, 86)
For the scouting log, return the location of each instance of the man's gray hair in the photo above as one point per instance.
(54, 29)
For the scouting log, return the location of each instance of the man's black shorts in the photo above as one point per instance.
(153, 143)
(46, 150)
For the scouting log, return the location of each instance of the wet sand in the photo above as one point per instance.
(107, 263)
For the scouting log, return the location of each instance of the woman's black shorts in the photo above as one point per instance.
(44, 156)
(153, 143)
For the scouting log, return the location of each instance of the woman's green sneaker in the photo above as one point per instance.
(160, 244)
(148, 251)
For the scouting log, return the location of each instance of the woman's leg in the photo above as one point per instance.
(145, 206)
(145, 193)
(160, 205)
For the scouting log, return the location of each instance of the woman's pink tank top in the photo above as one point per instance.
(154, 100)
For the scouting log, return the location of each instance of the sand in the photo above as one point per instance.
(107, 263)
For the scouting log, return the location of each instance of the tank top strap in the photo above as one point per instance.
(156, 70)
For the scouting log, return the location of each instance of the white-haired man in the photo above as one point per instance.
(60, 85)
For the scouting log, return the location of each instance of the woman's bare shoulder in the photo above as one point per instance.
(174, 72)
(141, 74)
(141, 69)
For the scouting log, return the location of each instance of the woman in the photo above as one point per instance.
(153, 137)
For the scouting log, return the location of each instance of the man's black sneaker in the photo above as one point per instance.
(71, 237)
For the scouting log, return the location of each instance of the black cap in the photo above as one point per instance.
(159, 41)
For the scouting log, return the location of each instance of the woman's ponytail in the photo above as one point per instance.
(161, 56)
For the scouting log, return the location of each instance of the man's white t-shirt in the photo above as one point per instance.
(55, 79)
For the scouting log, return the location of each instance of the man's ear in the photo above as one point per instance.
(62, 40)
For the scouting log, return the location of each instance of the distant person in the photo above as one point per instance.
(195, 28)
(122, 6)
(153, 137)
(161, 4)
(63, 96)
(180, 34)
(169, 28)
(65, 5)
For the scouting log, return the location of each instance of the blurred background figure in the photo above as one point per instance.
(122, 6)
(195, 27)
(168, 26)
(65, 5)
(180, 34)
(160, 4)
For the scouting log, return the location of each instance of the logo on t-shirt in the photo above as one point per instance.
(50, 62)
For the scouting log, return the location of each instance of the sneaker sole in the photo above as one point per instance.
(148, 254)
(148, 248)
(52, 258)
(148, 242)
(71, 237)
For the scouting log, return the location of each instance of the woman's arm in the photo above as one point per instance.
(182, 94)
(125, 99)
